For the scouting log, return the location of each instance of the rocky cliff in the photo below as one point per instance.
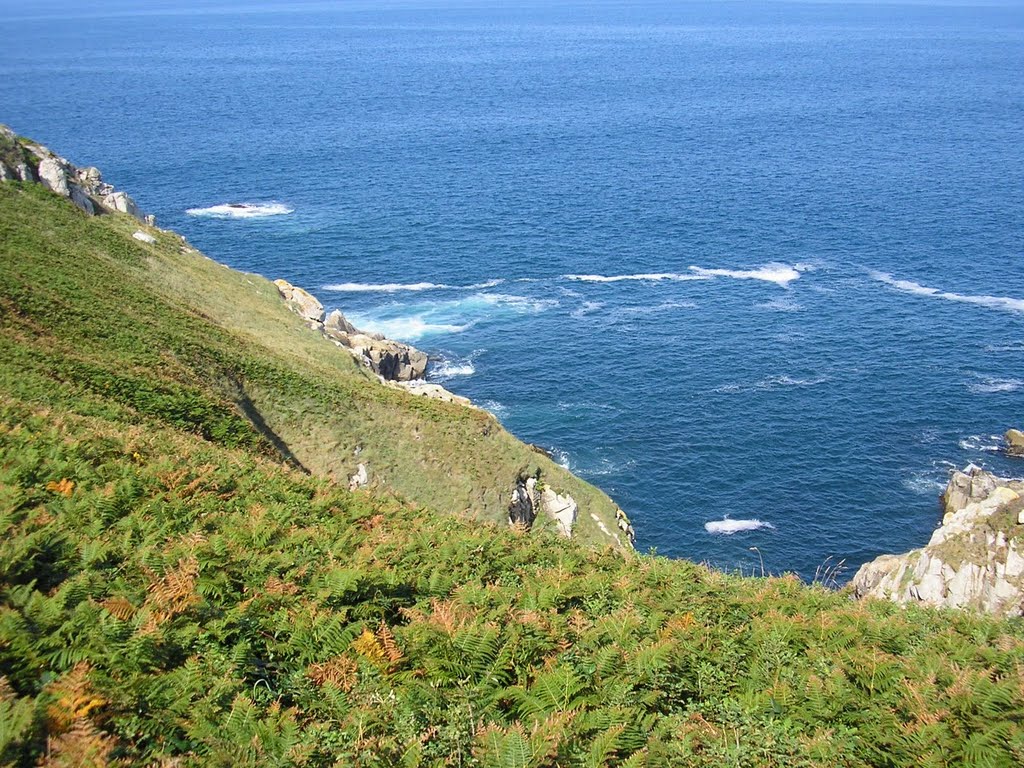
(974, 560)
(23, 160)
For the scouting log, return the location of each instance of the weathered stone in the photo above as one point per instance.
(121, 203)
(149, 219)
(82, 200)
(337, 323)
(1014, 439)
(432, 391)
(562, 509)
(53, 175)
(969, 562)
(5, 173)
(360, 479)
(25, 173)
(144, 237)
(304, 304)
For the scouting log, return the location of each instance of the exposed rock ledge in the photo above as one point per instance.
(21, 160)
(391, 360)
(974, 560)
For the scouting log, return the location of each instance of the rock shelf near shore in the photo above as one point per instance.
(974, 560)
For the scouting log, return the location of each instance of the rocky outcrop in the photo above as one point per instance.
(530, 498)
(434, 392)
(391, 360)
(1014, 440)
(24, 161)
(974, 560)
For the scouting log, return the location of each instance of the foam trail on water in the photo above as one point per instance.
(241, 211)
(990, 385)
(382, 287)
(1004, 303)
(411, 328)
(727, 526)
(780, 274)
(647, 277)
(396, 287)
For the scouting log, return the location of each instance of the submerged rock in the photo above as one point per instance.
(974, 560)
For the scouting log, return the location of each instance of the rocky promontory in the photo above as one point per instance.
(23, 160)
(974, 560)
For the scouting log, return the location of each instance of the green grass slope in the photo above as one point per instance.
(173, 593)
(162, 332)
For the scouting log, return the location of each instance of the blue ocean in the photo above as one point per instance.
(752, 264)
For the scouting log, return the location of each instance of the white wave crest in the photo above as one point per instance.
(396, 287)
(1013, 346)
(446, 369)
(780, 274)
(989, 385)
(241, 211)
(1004, 303)
(923, 483)
(517, 303)
(382, 287)
(985, 443)
(727, 526)
(648, 277)
(496, 409)
(587, 308)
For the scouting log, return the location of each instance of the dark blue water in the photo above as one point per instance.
(827, 199)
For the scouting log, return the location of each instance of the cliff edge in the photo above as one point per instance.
(974, 560)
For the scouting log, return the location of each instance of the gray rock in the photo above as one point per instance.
(82, 200)
(5, 173)
(120, 202)
(304, 304)
(360, 479)
(53, 175)
(25, 172)
(149, 219)
(144, 237)
(522, 506)
(336, 322)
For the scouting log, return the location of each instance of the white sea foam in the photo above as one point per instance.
(396, 287)
(1004, 303)
(923, 483)
(496, 409)
(646, 277)
(517, 303)
(780, 274)
(984, 443)
(561, 458)
(1013, 346)
(727, 526)
(382, 287)
(780, 305)
(587, 308)
(446, 369)
(409, 328)
(772, 382)
(989, 385)
(622, 313)
(241, 211)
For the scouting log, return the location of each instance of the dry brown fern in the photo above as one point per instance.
(82, 746)
(341, 671)
(72, 699)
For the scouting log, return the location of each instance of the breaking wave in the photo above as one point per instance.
(780, 274)
(646, 277)
(1004, 303)
(241, 211)
(727, 527)
(990, 385)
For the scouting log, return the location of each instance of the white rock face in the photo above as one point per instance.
(974, 560)
(561, 509)
(53, 175)
(360, 479)
(24, 171)
(120, 202)
(5, 173)
(433, 391)
(144, 237)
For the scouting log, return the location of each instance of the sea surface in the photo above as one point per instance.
(756, 269)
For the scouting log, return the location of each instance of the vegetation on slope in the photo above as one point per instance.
(161, 332)
(173, 593)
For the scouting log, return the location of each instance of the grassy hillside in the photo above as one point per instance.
(160, 332)
(174, 593)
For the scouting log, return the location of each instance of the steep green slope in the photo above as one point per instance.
(162, 332)
(173, 593)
